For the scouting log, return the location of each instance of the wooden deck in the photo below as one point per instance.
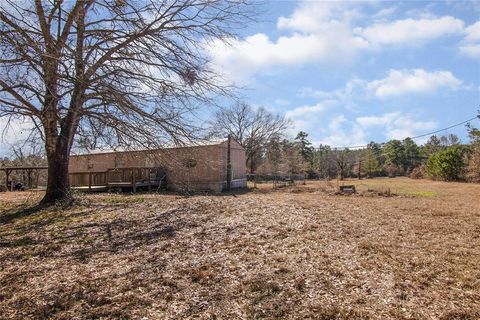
(28, 169)
(118, 178)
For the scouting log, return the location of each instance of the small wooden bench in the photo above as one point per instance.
(348, 189)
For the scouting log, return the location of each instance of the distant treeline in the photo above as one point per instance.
(440, 158)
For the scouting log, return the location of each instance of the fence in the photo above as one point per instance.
(277, 180)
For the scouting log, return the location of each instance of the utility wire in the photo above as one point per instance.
(363, 158)
(415, 137)
(452, 126)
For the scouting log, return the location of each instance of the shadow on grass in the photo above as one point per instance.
(18, 213)
(26, 210)
(72, 238)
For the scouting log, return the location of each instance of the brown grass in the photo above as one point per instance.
(300, 252)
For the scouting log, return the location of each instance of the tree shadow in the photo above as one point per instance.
(23, 211)
(84, 240)
(15, 214)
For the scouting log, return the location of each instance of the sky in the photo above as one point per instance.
(352, 72)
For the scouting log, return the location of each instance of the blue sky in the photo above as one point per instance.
(351, 72)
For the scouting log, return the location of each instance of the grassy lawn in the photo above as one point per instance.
(399, 249)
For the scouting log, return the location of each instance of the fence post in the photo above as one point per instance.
(229, 164)
(134, 181)
(7, 174)
(359, 170)
(89, 182)
(149, 172)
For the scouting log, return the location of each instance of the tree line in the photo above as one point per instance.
(268, 151)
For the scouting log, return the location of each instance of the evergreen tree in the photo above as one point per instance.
(411, 154)
(305, 146)
(370, 163)
(306, 150)
(447, 165)
(394, 153)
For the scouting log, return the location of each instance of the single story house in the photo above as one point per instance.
(196, 168)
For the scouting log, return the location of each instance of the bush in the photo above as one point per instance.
(393, 170)
(417, 172)
(447, 165)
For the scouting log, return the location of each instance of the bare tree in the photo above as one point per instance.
(324, 162)
(343, 161)
(251, 129)
(98, 73)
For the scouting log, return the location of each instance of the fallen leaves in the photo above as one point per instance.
(295, 254)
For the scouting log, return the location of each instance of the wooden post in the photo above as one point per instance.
(7, 174)
(37, 177)
(149, 172)
(29, 177)
(359, 170)
(89, 182)
(229, 164)
(134, 180)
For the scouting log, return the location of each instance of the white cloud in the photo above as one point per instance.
(410, 31)
(470, 45)
(396, 83)
(326, 33)
(384, 13)
(307, 118)
(399, 82)
(316, 16)
(473, 32)
(397, 125)
(343, 133)
(315, 32)
(471, 50)
(258, 52)
(348, 96)
(309, 109)
(369, 121)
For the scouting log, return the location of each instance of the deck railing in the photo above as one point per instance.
(132, 177)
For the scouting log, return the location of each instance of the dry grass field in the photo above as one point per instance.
(399, 249)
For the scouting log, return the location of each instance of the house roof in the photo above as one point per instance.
(195, 145)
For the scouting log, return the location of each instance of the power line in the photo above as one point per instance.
(415, 137)
(444, 129)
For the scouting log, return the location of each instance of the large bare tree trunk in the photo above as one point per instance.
(58, 185)
(252, 165)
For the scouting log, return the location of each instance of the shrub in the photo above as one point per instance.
(393, 170)
(447, 165)
(417, 172)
